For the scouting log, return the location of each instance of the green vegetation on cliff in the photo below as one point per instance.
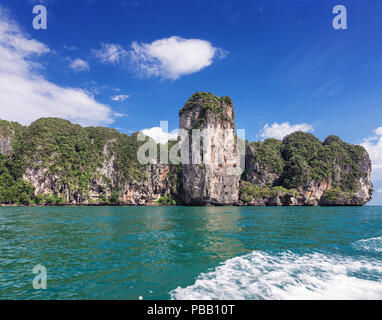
(307, 160)
(268, 154)
(300, 161)
(9, 129)
(13, 189)
(249, 191)
(167, 200)
(208, 102)
(67, 151)
(73, 164)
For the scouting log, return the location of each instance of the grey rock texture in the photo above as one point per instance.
(331, 173)
(107, 179)
(298, 171)
(5, 145)
(210, 182)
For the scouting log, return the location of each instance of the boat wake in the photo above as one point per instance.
(371, 244)
(287, 275)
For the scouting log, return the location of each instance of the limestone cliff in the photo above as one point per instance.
(211, 180)
(55, 162)
(301, 170)
(8, 131)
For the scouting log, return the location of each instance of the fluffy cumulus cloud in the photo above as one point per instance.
(159, 135)
(25, 95)
(120, 97)
(173, 57)
(79, 65)
(373, 145)
(280, 130)
(168, 58)
(111, 54)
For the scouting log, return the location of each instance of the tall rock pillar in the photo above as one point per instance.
(210, 177)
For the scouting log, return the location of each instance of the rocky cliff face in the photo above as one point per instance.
(5, 145)
(56, 162)
(210, 180)
(8, 131)
(53, 161)
(147, 190)
(102, 185)
(301, 170)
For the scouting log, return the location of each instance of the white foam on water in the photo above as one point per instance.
(371, 244)
(287, 275)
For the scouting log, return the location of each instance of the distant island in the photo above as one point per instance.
(55, 162)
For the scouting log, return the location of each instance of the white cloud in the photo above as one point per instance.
(159, 135)
(378, 131)
(120, 115)
(173, 57)
(168, 58)
(25, 95)
(111, 53)
(71, 48)
(279, 131)
(120, 97)
(373, 146)
(79, 65)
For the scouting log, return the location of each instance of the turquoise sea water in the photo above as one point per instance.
(192, 252)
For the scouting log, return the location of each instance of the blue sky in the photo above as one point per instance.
(130, 64)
